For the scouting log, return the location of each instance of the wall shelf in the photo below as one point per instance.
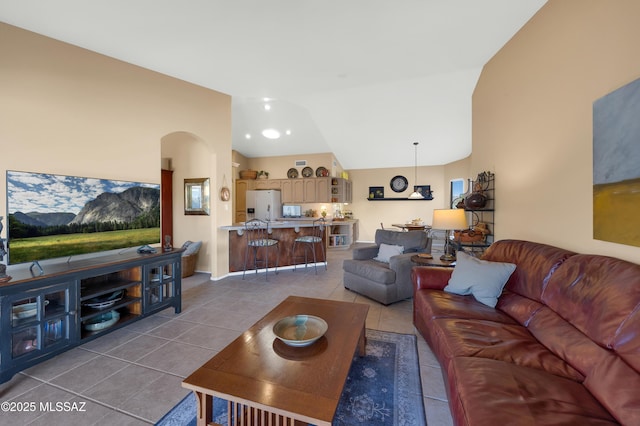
(400, 199)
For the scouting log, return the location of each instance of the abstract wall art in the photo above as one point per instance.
(616, 166)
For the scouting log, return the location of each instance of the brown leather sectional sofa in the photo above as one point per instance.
(561, 347)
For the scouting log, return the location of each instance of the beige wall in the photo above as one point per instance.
(66, 110)
(371, 213)
(532, 119)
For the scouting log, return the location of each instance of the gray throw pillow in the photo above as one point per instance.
(192, 248)
(481, 278)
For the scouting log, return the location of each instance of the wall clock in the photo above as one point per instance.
(399, 183)
(225, 194)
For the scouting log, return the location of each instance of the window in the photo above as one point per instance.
(457, 190)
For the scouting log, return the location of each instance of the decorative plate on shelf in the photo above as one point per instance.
(307, 172)
(300, 330)
(102, 321)
(104, 301)
(322, 172)
(26, 310)
(292, 173)
(399, 183)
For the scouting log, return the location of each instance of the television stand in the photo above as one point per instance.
(72, 303)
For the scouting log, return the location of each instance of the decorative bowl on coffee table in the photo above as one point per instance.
(300, 330)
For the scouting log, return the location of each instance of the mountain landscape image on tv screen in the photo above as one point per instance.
(52, 216)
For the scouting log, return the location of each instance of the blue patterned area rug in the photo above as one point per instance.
(382, 388)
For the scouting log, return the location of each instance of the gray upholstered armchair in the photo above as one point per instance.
(385, 282)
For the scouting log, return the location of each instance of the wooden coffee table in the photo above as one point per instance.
(269, 383)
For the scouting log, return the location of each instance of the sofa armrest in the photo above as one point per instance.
(402, 265)
(365, 252)
(430, 277)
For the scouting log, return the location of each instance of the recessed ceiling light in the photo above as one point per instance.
(288, 132)
(271, 133)
(247, 136)
(267, 107)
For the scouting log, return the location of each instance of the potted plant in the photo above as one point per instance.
(263, 175)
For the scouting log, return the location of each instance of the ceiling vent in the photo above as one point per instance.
(301, 163)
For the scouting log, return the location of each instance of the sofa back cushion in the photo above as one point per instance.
(535, 262)
(412, 241)
(599, 297)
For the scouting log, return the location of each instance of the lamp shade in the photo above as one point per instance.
(449, 219)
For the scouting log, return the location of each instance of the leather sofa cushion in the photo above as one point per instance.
(438, 304)
(489, 392)
(588, 282)
(627, 343)
(505, 342)
(611, 379)
(371, 270)
(540, 262)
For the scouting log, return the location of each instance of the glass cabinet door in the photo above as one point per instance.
(41, 321)
(161, 285)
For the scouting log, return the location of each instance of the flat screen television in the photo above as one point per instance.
(57, 216)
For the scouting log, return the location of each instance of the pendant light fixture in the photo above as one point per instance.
(415, 195)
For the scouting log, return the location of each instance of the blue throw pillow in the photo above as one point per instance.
(481, 278)
(192, 248)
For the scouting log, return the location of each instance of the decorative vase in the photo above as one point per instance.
(474, 201)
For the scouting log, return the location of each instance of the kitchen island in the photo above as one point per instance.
(285, 231)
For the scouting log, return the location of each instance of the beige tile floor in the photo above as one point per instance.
(133, 375)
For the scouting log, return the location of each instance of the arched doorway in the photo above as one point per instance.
(186, 156)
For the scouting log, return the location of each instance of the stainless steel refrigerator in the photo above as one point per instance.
(264, 204)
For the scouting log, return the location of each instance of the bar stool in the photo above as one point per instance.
(309, 243)
(258, 236)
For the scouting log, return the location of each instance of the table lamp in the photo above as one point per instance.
(448, 220)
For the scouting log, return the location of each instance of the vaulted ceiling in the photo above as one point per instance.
(363, 79)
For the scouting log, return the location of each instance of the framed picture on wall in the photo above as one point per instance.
(424, 190)
(376, 192)
(196, 196)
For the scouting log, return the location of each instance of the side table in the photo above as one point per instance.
(434, 261)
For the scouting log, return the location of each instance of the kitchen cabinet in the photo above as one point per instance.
(316, 190)
(323, 185)
(76, 301)
(267, 184)
(242, 186)
(297, 190)
(310, 190)
(292, 191)
(341, 190)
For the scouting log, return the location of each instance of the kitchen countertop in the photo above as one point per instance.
(287, 223)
